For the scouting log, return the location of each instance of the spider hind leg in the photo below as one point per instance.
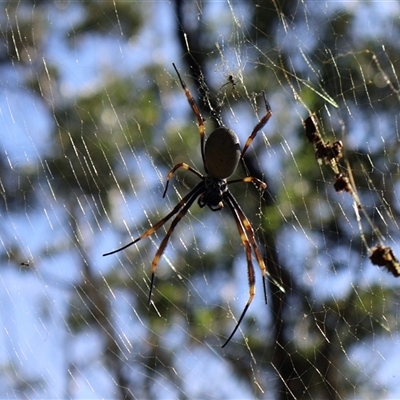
(258, 127)
(196, 112)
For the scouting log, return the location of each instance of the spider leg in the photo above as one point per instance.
(194, 193)
(258, 127)
(173, 170)
(196, 190)
(250, 234)
(250, 268)
(196, 111)
(260, 184)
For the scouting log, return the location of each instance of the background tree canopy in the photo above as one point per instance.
(92, 119)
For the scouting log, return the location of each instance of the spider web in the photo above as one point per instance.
(93, 118)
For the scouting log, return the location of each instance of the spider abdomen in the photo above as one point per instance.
(222, 153)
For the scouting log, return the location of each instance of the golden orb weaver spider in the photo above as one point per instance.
(221, 156)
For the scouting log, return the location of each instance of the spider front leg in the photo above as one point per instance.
(193, 195)
(250, 268)
(173, 170)
(160, 223)
(250, 234)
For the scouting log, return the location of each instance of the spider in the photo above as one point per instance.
(221, 155)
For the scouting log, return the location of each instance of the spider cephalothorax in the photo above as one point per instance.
(221, 155)
(214, 193)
